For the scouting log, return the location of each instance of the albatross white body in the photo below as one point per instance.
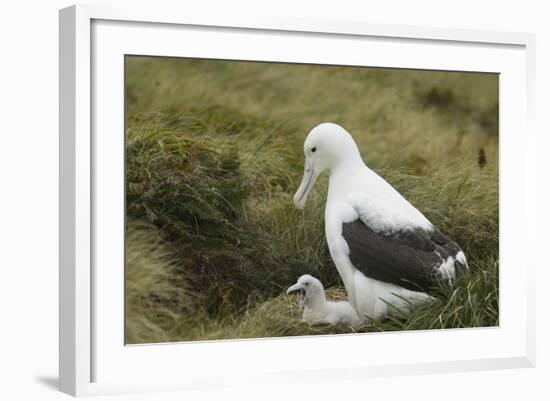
(381, 245)
(366, 294)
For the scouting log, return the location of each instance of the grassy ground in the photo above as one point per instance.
(214, 155)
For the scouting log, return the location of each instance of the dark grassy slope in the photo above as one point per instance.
(214, 154)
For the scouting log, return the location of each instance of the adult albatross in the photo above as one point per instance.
(386, 251)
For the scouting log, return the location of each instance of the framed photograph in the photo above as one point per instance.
(237, 193)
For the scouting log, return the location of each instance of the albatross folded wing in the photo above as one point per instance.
(409, 258)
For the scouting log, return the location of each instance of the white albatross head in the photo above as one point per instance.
(310, 291)
(326, 146)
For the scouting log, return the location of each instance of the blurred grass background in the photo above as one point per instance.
(214, 153)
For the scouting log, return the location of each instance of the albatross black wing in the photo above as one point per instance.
(409, 258)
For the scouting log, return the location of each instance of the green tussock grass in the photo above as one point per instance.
(214, 155)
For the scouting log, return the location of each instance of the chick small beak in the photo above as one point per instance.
(295, 287)
(301, 294)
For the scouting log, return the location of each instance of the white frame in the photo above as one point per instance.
(76, 206)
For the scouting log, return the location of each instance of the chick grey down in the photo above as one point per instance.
(316, 308)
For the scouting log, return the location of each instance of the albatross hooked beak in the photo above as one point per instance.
(305, 187)
(301, 294)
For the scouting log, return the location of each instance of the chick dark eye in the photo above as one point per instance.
(314, 149)
(307, 284)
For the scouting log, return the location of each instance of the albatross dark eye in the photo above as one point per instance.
(313, 149)
(307, 283)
